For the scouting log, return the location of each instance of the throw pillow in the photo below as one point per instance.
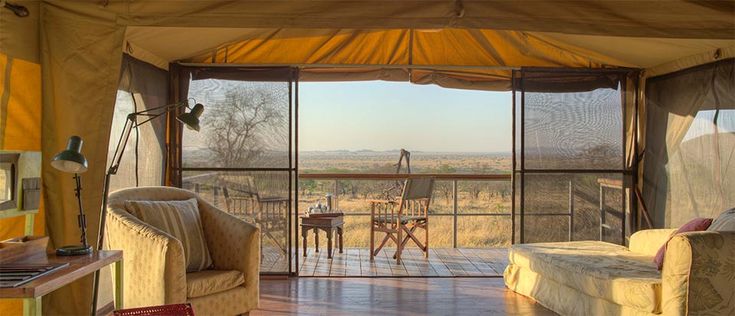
(695, 225)
(181, 220)
(725, 222)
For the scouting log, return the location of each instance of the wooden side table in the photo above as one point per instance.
(79, 266)
(326, 223)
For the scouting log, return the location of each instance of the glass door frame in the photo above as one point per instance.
(628, 173)
(181, 75)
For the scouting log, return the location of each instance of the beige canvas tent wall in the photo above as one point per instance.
(467, 44)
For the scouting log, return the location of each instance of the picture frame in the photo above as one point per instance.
(9, 181)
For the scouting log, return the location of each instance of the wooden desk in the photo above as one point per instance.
(79, 266)
(328, 225)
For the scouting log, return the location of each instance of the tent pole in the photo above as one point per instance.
(388, 66)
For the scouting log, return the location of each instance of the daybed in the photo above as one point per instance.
(598, 278)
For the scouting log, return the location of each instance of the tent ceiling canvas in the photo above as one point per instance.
(446, 47)
(670, 19)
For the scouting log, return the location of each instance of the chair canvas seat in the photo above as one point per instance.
(404, 219)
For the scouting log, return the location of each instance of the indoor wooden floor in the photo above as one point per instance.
(355, 262)
(392, 296)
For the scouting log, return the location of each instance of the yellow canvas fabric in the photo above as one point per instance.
(606, 17)
(598, 269)
(20, 126)
(19, 36)
(21, 104)
(212, 281)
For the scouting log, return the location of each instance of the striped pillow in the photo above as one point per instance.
(181, 220)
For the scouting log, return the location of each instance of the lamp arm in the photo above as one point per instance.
(130, 123)
(121, 143)
(167, 107)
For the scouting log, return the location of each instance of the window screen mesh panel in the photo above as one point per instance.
(553, 201)
(571, 127)
(257, 197)
(690, 144)
(244, 125)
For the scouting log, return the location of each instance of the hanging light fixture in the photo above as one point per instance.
(19, 10)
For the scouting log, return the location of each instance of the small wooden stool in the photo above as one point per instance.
(326, 222)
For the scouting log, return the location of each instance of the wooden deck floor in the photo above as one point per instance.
(355, 262)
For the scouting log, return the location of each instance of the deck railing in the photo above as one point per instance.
(453, 178)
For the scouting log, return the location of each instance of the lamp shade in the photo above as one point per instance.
(71, 159)
(191, 119)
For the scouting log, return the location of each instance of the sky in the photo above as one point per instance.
(380, 115)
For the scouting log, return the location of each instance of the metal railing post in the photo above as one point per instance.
(571, 210)
(335, 199)
(602, 212)
(454, 211)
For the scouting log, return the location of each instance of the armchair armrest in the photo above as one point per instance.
(156, 273)
(234, 245)
(699, 273)
(382, 208)
(382, 202)
(648, 241)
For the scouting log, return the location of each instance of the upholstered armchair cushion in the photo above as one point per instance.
(181, 220)
(208, 282)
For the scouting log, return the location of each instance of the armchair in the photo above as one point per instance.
(156, 273)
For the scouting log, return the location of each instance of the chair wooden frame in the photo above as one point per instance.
(268, 212)
(400, 219)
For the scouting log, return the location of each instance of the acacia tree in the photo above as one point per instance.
(245, 123)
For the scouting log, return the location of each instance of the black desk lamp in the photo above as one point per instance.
(71, 160)
(190, 119)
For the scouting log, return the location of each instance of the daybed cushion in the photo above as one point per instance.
(695, 225)
(208, 282)
(181, 220)
(725, 222)
(598, 269)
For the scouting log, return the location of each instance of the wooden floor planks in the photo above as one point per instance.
(393, 297)
(442, 262)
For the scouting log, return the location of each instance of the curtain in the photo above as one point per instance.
(690, 152)
(142, 86)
